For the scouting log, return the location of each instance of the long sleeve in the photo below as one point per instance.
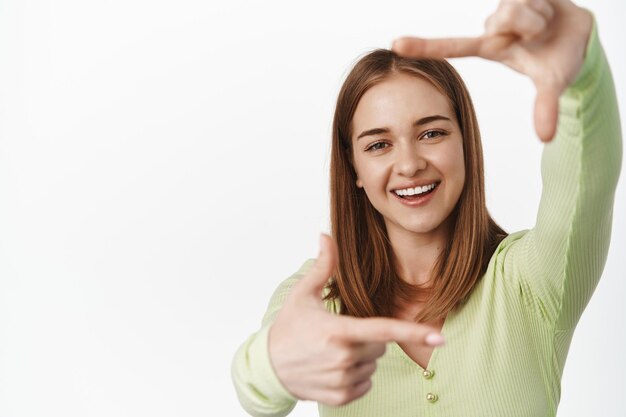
(561, 259)
(258, 388)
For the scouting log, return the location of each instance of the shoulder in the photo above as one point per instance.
(509, 242)
(506, 256)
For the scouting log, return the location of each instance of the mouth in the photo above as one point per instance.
(419, 194)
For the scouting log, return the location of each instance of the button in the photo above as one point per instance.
(431, 397)
(428, 374)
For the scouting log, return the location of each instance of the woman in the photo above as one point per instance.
(417, 256)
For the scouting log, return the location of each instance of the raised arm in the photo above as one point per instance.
(559, 262)
(561, 259)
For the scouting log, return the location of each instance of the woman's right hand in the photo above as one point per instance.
(326, 357)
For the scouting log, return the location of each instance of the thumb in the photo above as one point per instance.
(323, 268)
(546, 112)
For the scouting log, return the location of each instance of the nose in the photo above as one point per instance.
(409, 162)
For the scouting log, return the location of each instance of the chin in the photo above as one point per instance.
(421, 227)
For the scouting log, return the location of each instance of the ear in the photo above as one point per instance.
(359, 183)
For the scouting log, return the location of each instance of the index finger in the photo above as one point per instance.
(383, 330)
(412, 47)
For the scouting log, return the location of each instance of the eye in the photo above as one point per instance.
(432, 134)
(376, 146)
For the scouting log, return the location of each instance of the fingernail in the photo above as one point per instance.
(435, 339)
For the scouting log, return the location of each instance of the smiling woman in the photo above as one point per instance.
(415, 255)
(417, 141)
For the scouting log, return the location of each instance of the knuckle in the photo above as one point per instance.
(537, 29)
(331, 399)
(331, 334)
(341, 397)
(367, 386)
(345, 358)
(509, 14)
(382, 350)
(329, 338)
(367, 370)
(541, 24)
(338, 380)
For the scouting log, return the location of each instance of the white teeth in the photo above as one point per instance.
(416, 190)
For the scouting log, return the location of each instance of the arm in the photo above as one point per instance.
(554, 42)
(561, 259)
(259, 391)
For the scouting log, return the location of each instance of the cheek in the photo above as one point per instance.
(371, 174)
(452, 165)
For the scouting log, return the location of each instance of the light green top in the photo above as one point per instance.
(507, 346)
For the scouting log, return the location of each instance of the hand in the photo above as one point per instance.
(543, 39)
(327, 357)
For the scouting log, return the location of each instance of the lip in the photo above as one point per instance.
(416, 184)
(420, 201)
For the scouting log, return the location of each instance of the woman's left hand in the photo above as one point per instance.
(544, 39)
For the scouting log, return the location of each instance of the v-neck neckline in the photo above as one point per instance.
(434, 353)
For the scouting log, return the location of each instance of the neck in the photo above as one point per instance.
(415, 253)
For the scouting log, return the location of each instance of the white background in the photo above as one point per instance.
(164, 166)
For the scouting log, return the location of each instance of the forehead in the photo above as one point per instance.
(398, 100)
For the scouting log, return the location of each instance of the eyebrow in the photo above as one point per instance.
(420, 122)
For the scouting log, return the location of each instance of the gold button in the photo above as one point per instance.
(428, 374)
(431, 397)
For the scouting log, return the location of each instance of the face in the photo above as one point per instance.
(405, 135)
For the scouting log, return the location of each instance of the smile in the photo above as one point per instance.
(417, 196)
(417, 190)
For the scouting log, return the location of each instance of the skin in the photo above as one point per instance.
(407, 153)
(329, 358)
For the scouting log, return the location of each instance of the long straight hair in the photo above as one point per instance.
(366, 281)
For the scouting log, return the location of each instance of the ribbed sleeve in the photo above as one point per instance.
(561, 259)
(258, 388)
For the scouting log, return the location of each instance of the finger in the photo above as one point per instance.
(412, 47)
(367, 352)
(361, 372)
(517, 19)
(361, 388)
(323, 268)
(338, 397)
(542, 7)
(546, 112)
(347, 378)
(385, 330)
(364, 371)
